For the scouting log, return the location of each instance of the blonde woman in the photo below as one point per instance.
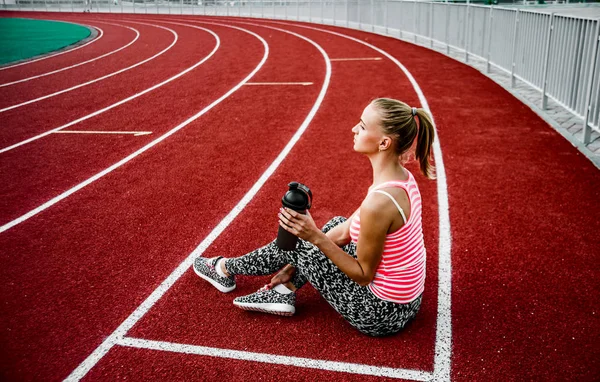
(369, 268)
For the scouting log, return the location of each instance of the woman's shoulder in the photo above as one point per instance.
(382, 200)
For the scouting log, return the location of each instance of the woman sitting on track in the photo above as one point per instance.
(370, 268)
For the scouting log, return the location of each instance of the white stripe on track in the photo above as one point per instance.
(99, 78)
(123, 161)
(345, 367)
(59, 53)
(121, 102)
(141, 310)
(134, 133)
(137, 35)
(443, 342)
(358, 59)
(278, 83)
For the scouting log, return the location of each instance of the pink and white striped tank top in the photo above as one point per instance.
(400, 276)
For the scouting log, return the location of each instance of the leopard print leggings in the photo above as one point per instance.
(357, 304)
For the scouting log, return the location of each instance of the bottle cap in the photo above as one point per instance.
(299, 197)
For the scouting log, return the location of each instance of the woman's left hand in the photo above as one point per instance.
(301, 225)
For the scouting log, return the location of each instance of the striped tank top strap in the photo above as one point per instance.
(395, 202)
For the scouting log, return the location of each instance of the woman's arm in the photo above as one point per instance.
(374, 227)
(340, 234)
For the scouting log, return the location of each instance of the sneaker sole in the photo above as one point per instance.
(220, 287)
(278, 309)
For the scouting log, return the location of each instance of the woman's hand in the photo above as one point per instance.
(300, 225)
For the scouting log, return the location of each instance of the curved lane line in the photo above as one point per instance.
(59, 53)
(137, 35)
(125, 100)
(443, 343)
(99, 78)
(117, 337)
(125, 160)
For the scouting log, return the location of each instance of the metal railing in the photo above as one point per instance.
(555, 54)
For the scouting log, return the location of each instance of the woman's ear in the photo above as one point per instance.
(385, 144)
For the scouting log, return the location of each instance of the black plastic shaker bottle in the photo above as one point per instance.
(298, 198)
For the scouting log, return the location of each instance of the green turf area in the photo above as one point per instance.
(25, 38)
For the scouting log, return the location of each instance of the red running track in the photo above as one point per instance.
(78, 156)
(522, 209)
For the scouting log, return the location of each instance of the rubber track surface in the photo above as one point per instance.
(523, 209)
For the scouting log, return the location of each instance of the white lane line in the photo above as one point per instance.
(141, 310)
(345, 367)
(137, 35)
(443, 338)
(358, 59)
(59, 53)
(99, 78)
(134, 133)
(278, 83)
(98, 112)
(128, 158)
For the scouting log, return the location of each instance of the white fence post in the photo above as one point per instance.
(587, 131)
(546, 63)
(415, 21)
(431, 25)
(447, 28)
(334, 7)
(358, 13)
(372, 16)
(489, 45)
(347, 14)
(514, 52)
(467, 32)
(385, 17)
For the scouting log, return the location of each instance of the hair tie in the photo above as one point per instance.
(414, 114)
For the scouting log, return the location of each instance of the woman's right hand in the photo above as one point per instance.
(283, 276)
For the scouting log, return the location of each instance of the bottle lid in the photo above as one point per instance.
(299, 197)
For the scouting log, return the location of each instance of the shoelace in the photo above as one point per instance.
(265, 288)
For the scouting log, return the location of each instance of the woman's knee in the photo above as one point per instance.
(332, 223)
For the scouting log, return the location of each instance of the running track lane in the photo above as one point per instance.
(98, 254)
(57, 162)
(143, 48)
(80, 94)
(78, 70)
(523, 208)
(54, 60)
(140, 364)
(192, 312)
(113, 38)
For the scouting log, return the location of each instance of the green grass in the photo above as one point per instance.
(26, 38)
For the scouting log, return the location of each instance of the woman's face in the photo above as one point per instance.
(367, 132)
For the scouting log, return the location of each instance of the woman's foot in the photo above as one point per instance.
(205, 268)
(279, 300)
